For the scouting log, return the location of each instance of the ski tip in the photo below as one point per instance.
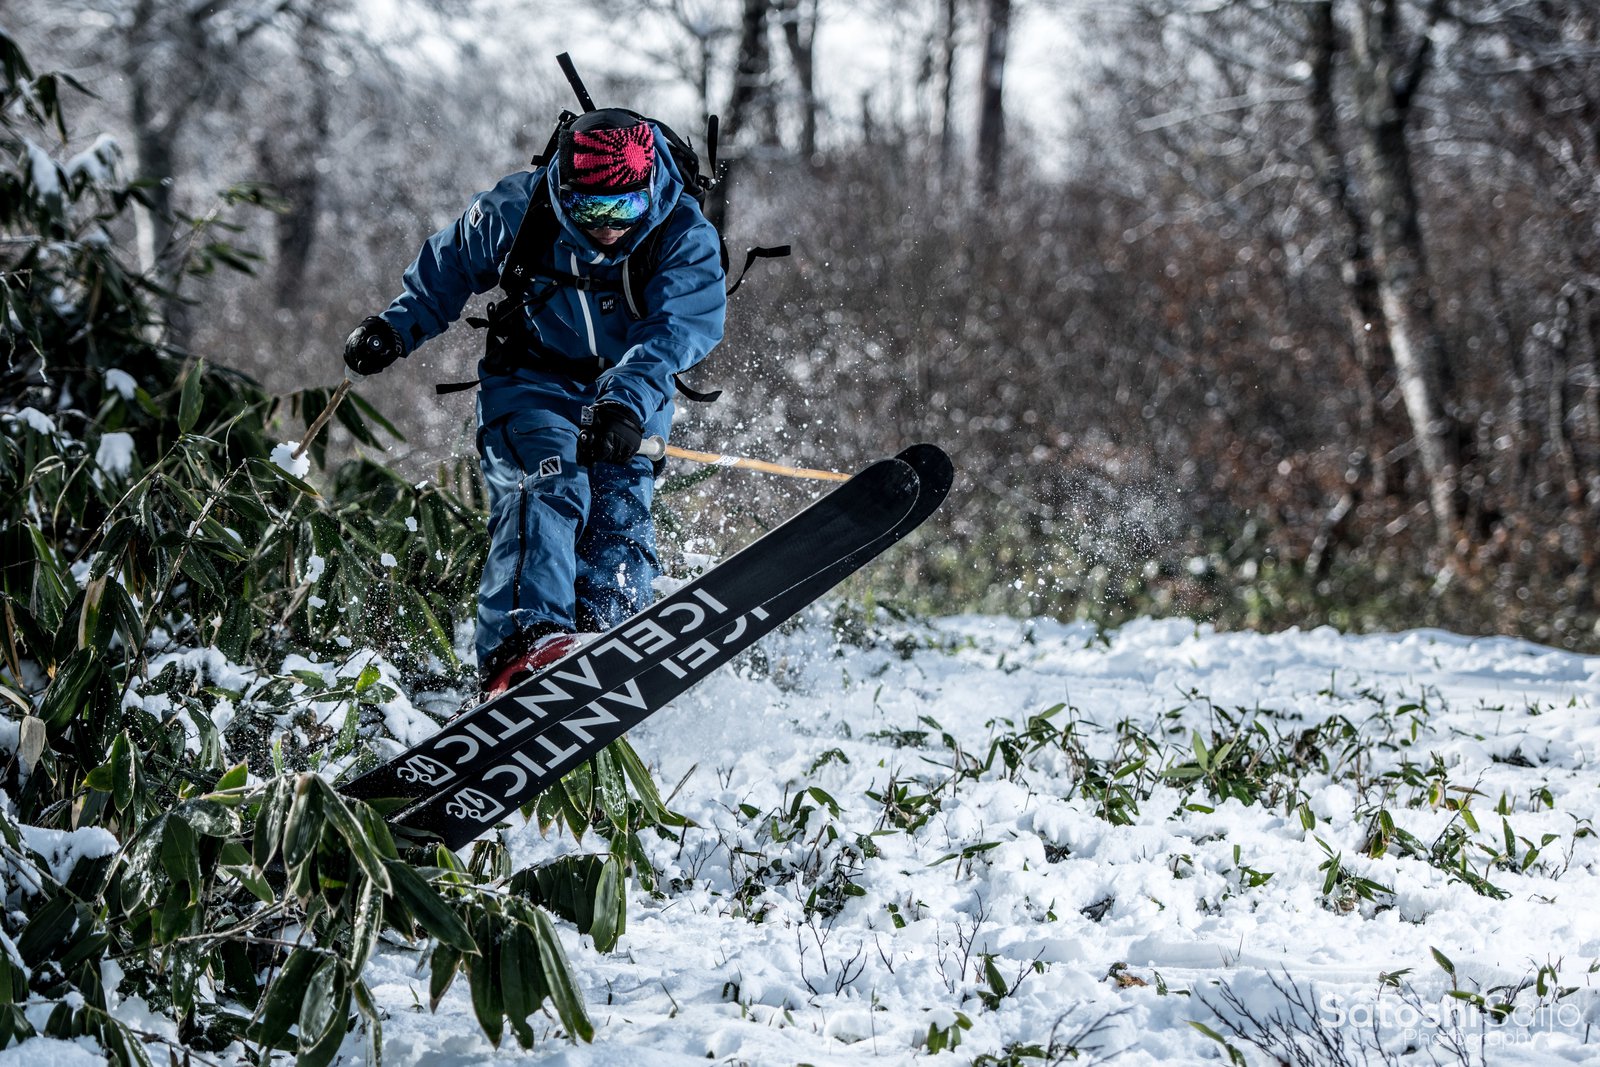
(932, 464)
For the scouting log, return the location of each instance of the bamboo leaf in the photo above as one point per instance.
(365, 925)
(271, 472)
(430, 910)
(558, 977)
(520, 985)
(483, 976)
(189, 398)
(992, 975)
(69, 691)
(339, 815)
(303, 826)
(51, 589)
(89, 615)
(180, 856)
(319, 1004)
(209, 817)
(444, 964)
(124, 771)
(644, 786)
(610, 905)
(254, 881)
(234, 778)
(269, 823)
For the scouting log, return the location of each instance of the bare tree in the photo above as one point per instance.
(175, 57)
(293, 160)
(991, 105)
(1388, 67)
(692, 49)
(752, 71)
(800, 35)
(947, 89)
(1363, 309)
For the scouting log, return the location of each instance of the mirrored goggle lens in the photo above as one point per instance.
(595, 211)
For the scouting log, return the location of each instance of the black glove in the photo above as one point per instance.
(611, 434)
(372, 346)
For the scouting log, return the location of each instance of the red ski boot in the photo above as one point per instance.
(545, 651)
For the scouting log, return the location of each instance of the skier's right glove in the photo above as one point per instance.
(372, 346)
(611, 434)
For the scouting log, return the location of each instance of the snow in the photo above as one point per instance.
(1109, 935)
(62, 849)
(44, 173)
(283, 456)
(53, 1052)
(35, 420)
(97, 163)
(115, 454)
(121, 383)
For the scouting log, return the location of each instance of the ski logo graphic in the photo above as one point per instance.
(569, 740)
(550, 466)
(420, 768)
(470, 803)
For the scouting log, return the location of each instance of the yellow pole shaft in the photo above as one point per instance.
(715, 459)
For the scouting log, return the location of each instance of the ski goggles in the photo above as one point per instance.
(601, 211)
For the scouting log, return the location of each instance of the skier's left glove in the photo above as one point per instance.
(372, 346)
(611, 434)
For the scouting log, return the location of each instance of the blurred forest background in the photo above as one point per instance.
(1268, 312)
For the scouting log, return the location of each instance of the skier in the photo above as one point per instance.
(571, 383)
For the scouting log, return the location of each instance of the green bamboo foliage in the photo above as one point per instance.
(164, 587)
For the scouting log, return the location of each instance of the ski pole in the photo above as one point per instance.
(655, 447)
(327, 413)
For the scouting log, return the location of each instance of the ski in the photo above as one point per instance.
(675, 631)
(457, 815)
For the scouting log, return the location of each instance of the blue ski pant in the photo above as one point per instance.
(570, 548)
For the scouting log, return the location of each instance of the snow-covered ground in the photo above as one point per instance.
(1002, 842)
(898, 839)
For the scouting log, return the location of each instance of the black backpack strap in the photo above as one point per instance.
(750, 257)
(536, 235)
(694, 394)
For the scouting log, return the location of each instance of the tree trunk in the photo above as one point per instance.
(800, 40)
(156, 114)
(289, 158)
(991, 113)
(749, 77)
(1386, 76)
(1363, 311)
(947, 88)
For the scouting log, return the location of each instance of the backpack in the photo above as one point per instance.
(509, 344)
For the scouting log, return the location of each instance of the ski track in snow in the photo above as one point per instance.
(1063, 895)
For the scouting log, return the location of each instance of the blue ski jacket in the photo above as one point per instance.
(684, 300)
